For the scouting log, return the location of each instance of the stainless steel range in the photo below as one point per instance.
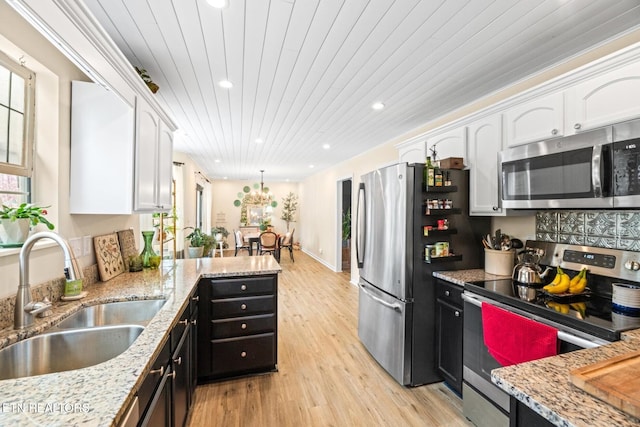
(582, 321)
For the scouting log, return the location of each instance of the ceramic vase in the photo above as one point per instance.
(15, 232)
(195, 252)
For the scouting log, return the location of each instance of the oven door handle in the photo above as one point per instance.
(562, 335)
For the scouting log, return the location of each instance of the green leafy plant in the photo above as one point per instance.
(289, 208)
(144, 75)
(346, 224)
(34, 213)
(224, 232)
(196, 238)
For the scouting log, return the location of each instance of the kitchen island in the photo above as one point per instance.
(99, 395)
(544, 386)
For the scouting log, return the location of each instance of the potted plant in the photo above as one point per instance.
(289, 208)
(220, 233)
(197, 240)
(18, 220)
(144, 75)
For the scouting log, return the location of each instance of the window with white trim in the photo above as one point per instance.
(17, 95)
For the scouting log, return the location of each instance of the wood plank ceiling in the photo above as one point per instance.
(306, 72)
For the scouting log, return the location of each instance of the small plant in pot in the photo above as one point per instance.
(197, 240)
(17, 221)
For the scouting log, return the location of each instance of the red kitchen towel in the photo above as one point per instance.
(513, 339)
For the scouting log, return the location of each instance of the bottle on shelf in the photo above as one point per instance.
(437, 176)
(429, 173)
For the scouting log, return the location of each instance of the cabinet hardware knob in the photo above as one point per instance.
(157, 371)
(554, 131)
(447, 293)
(243, 306)
(178, 361)
(456, 313)
(194, 321)
(183, 322)
(243, 287)
(577, 126)
(172, 374)
(243, 326)
(196, 298)
(495, 208)
(243, 354)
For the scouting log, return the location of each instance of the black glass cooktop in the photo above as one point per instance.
(591, 312)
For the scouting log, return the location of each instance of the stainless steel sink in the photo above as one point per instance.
(66, 350)
(114, 313)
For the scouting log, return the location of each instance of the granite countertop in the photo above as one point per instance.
(99, 395)
(544, 385)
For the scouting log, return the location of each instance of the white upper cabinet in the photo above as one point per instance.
(412, 153)
(609, 98)
(102, 144)
(153, 161)
(452, 143)
(536, 120)
(485, 142)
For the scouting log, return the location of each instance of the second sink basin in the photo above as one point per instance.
(65, 350)
(114, 313)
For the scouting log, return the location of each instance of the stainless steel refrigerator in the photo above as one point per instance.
(396, 310)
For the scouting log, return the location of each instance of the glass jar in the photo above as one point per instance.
(147, 251)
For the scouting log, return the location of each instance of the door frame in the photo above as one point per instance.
(338, 233)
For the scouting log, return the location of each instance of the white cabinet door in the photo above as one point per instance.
(413, 153)
(485, 142)
(606, 99)
(154, 161)
(452, 143)
(165, 167)
(146, 159)
(102, 140)
(535, 120)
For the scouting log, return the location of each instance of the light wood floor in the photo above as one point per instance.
(325, 376)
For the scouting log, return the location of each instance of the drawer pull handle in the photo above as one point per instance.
(157, 371)
(178, 361)
(243, 326)
(243, 287)
(447, 293)
(243, 306)
(243, 354)
(183, 322)
(196, 298)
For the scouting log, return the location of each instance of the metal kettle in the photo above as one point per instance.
(528, 271)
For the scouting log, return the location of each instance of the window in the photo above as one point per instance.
(17, 85)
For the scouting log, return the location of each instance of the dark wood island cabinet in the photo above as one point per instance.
(449, 321)
(237, 326)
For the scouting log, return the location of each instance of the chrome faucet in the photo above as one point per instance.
(25, 309)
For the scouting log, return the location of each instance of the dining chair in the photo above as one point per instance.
(239, 241)
(268, 243)
(287, 242)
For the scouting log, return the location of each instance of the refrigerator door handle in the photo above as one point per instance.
(394, 307)
(361, 220)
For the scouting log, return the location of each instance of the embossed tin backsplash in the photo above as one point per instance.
(605, 229)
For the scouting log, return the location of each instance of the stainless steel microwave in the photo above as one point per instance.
(595, 169)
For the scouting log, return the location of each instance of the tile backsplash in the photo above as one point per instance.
(605, 229)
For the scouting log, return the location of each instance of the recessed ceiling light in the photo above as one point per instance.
(219, 4)
(259, 140)
(217, 161)
(225, 84)
(226, 177)
(377, 106)
(311, 166)
(326, 146)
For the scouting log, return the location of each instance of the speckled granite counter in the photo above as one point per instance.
(544, 386)
(461, 277)
(98, 395)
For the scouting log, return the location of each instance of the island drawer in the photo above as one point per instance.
(242, 326)
(246, 306)
(238, 355)
(243, 286)
(450, 293)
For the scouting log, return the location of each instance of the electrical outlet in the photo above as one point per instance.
(76, 245)
(87, 242)
(321, 251)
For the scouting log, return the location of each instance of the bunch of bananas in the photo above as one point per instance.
(579, 282)
(562, 283)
